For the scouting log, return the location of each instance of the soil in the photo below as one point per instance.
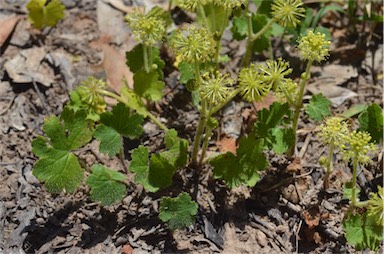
(287, 211)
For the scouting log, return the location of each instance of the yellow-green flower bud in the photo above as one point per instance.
(216, 88)
(212, 123)
(334, 132)
(288, 12)
(189, 5)
(376, 205)
(229, 4)
(286, 86)
(252, 84)
(313, 47)
(358, 147)
(195, 44)
(148, 29)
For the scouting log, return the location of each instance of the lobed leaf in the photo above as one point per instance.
(60, 170)
(57, 166)
(107, 185)
(318, 107)
(363, 231)
(148, 85)
(371, 120)
(178, 212)
(135, 59)
(41, 14)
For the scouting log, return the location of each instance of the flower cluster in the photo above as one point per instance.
(286, 87)
(376, 205)
(252, 84)
(358, 147)
(190, 5)
(288, 12)
(194, 45)
(275, 72)
(148, 29)
(333, 132)
(89, 93)
(215, 88)
(313, 46)
(229, 4)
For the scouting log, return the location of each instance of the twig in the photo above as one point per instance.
(9, 106)
(305, 145)
(40, 96)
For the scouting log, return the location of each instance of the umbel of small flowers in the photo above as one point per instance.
(332, 133)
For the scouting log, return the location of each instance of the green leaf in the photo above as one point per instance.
(135, 59)
(115, 125)
(125, 123)
(160, 171)
(187, 72)
(371, 120)
(41, 14)
(178, 212)
(133, 101)
(354, 110)
(57, 167)
(318, 107)
(60, 170)
(242, 168)
(347, 191)
(177, 154)
(258, 23)
(107, 185)
(363, 232)
(272, 124)
(111, 141)
(263, 6)
(148, 85)
(239, 28)
(140, 166)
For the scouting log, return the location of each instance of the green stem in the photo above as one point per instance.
(228, 99)
(149, 114)
(298, 106)
(200, 8)
(329, 166)
(208, 135)
(354, 177)
(252, 37)
(150, 57)
(288, 97)
(145, 55)
(218, 42)
(199, 131)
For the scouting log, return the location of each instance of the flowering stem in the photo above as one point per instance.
(354, 177)
(208, 135)
(298, 106)
(145, 55)
(202, 13)
(227, 99)
(329, 165)
(150, 57)
(199, 131)
(288, 96)
(218, 42)
(252, 37)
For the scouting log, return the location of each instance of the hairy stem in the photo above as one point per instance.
(218, 42)
(207, 137)
(298, 106)
(228, 99)
(149, 114)
(354, 177)
(146, 62)
(329, 166)
(252, 37)
(200, 8)
(199, 131)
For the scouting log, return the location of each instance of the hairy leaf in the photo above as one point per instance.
(107, 185)
(57, 166)
(59, 169)
(177, 154)
(160, 171)
(140, 166)
(187, 72)
(363, 231)
(318, 107)
(239, 28)
(272, 124)
(242, 168)
(371, 120)
(135, 58)
(115, 125)
(133, 101)
(148, 85)
(178, 212)
(41, 14)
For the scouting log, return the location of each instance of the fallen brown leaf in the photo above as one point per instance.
(7, 27)
(227, 144)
